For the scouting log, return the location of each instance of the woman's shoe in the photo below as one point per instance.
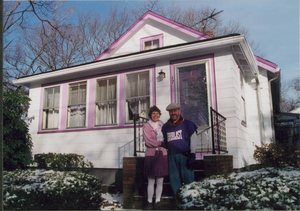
(148, 206)
(157, 205)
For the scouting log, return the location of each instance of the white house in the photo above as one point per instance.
(85, 109)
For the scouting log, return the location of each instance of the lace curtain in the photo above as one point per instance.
(77, 105)
(137, 94)
(51, 108)
(106, 102)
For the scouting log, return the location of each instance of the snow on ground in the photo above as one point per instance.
(112, 201)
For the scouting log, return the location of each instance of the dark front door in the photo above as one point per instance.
(192, 93)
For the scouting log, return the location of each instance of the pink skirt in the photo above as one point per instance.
(156, 166)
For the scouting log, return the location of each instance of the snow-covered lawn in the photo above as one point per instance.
(267, 189)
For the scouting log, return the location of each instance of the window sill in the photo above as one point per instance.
(108, 127)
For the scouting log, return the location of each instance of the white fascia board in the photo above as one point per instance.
(250, 57)
(212, 44)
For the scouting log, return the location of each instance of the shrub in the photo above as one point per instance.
(17, 143)
(264, 189)
(276, 155)
(50, 190)
(62, 162)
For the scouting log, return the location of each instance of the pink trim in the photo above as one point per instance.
(153, 87)
(63, 121)
(159, 37)
(172, 83)
(86, 129)
(266, 64)
(122, 100)
(155, 17)
(213, 77)
(41, 109)
(91, 104)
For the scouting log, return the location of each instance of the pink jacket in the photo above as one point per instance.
(151, 142)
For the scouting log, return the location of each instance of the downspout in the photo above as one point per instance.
(259, 106)
(271, 100)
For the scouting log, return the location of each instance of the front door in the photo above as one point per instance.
(192, 93)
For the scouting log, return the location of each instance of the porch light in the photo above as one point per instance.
(162, 75)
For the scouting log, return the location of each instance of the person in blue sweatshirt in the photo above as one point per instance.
(177, 133)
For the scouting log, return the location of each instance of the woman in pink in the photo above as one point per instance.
(156, 159)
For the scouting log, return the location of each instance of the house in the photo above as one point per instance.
(88, 109)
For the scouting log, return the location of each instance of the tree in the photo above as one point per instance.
(21, 51)
(289, 95)
(50, 40)
(17, 143)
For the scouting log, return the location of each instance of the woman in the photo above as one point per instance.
(156, 160)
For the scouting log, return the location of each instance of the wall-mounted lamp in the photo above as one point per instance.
(162, 75)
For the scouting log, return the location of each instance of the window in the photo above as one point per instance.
(192, 92)
(137, 94)
(51, 108)
(152, 42)
(77, 105)
(106, 101)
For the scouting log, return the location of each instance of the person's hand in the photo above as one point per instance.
(164, 145)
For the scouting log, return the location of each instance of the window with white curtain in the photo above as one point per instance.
(77, 105)
(137, 94)
(106, 101)
(51, 108)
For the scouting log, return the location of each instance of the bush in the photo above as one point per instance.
(17, 143)
(264, 189)
(50, 190)
(276, 155)
(62, 162)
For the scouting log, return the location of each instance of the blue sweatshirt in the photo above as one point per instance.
(178, 137)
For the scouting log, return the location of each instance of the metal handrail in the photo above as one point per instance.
(135, 118)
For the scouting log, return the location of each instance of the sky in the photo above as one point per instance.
(272, 24)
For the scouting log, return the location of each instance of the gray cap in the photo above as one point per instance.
(173, 106)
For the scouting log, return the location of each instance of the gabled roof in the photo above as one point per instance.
(151, 15)
(270, 66)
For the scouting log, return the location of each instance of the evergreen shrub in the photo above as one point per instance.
(277, 155)
(62, 162)
(50, 190)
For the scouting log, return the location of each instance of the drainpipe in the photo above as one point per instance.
(259, 106)
(271, 100)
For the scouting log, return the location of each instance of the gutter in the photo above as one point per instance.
(271, 100)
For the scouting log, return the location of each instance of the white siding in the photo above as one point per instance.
(240, 139)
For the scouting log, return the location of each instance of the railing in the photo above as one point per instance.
(209, 139)
(218, 131)
(139, 142)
